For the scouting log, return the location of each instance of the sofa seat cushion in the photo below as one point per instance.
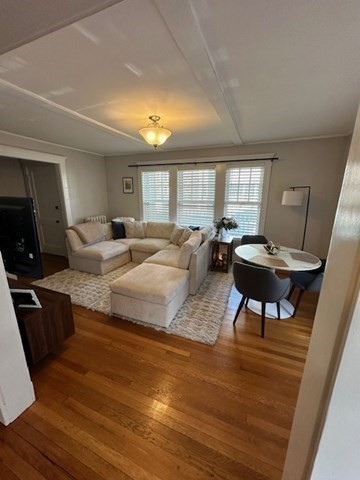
(102, 250)
(149, 245)
(126, 241)
(151, 283)
(166, 257)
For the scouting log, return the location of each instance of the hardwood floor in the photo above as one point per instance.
(121, 401)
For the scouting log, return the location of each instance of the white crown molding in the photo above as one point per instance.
(66, 111)
(51, 143)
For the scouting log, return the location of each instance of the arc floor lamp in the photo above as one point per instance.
(295, 198)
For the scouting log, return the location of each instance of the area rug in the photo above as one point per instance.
(199, 318)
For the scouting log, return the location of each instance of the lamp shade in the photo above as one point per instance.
(292, 198)
(154, 134)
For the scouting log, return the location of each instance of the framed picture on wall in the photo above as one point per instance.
(128, 185)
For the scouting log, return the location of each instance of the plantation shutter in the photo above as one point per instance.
(155, 195)
(196, 196)
(243, 195)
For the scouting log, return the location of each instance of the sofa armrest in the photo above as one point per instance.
(199, 266)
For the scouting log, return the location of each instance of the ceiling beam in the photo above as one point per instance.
(42, 17)
(192, 44)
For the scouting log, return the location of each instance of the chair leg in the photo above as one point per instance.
(241, 304)
(291, 292)
(301, 293)
(278, 310)
(263, 310)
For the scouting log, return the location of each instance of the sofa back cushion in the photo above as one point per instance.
(124, 219)
(108, 230)
(135, 229)
(74, 240)
(159, 230)
(90, 232)
(187, 249)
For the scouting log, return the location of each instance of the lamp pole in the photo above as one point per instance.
(307, 209)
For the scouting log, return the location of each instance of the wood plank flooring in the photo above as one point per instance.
(121, 401)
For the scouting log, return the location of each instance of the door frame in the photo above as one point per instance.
(58, 160)
(30, 185)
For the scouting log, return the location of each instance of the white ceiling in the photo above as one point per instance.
(226, 72)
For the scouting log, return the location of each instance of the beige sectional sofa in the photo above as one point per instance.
(178, 256)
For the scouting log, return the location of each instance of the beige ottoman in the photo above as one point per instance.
(150, 293)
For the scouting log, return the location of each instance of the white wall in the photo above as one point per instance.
(328, 406)
(319, 163)
(85, 172)
(16, 390)
(11, 178)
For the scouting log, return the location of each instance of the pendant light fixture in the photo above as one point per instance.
(154, 134)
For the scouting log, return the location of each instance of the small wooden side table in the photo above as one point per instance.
(44, 329)
(221, 253)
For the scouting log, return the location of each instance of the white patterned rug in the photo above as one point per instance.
(199, 318)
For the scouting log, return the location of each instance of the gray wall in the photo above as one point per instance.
(85, 172)
(11, 178)
(319, 163)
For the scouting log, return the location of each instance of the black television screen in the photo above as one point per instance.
(19, 242)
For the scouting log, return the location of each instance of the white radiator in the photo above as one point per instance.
(96, 218)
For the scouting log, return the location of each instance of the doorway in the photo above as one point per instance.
(42, 184)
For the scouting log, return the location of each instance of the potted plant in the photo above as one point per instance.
(224, 224)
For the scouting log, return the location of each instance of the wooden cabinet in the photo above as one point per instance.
(221, 253)
(43, 330)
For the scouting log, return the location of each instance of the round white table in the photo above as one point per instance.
(287, 259)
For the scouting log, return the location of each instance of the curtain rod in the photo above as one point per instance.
(205, 162)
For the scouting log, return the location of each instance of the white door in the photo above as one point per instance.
(42, 184)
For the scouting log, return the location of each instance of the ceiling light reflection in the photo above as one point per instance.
(133, 68)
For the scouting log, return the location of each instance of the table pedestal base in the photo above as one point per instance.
(286, 309)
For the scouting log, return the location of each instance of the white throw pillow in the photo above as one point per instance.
(205, 233)
(184, 236)
(188, 248)
(176, 234)
(135, 229)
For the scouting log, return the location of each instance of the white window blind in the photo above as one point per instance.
(196, 196)
(155, 195)
(243, 195)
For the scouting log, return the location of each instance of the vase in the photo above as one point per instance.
(223, 234)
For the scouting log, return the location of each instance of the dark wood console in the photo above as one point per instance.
(43, 330)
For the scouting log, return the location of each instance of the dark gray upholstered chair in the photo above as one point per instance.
(246, 239)
(260, 284)
(306, 282)
(255, 239)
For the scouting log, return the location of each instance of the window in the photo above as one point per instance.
(155, 195)
(243, 195)
(196, 196)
